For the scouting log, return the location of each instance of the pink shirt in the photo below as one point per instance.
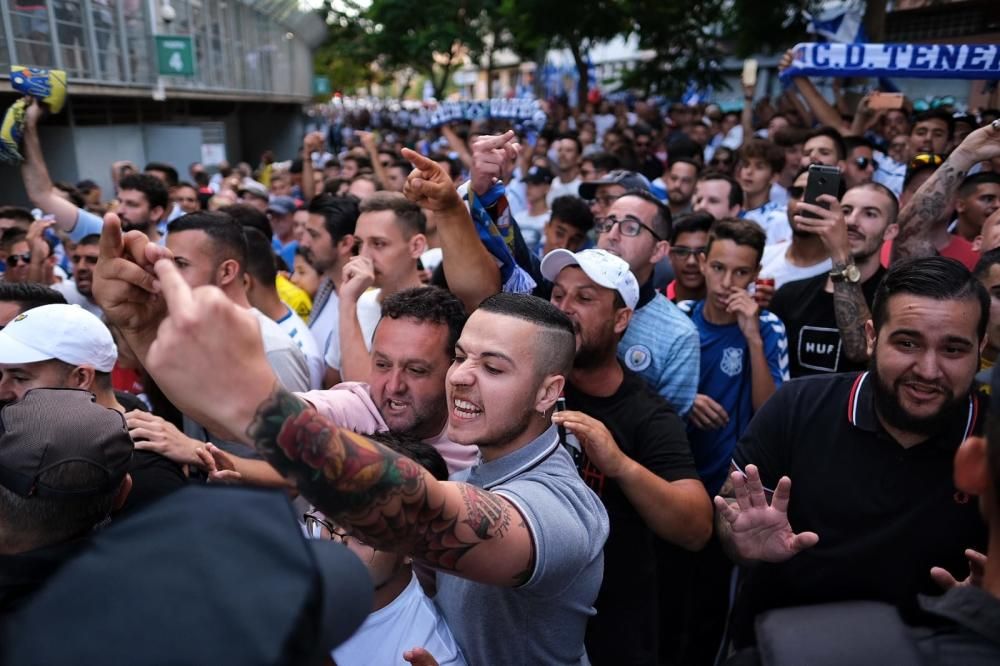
(350, 406)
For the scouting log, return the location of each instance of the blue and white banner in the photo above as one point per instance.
(838, 21)
(923, 61)
(519, 110)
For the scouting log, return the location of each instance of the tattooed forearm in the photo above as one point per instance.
(384, 497)
(852, 313)
(925, 211)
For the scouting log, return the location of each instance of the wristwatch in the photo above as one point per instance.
(848, 273)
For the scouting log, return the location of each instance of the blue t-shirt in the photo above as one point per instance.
(725, 377)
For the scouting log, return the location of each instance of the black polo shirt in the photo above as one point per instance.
(884, 514)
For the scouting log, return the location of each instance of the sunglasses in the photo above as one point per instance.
(683, 253)
(922, 159)
(863, 163)
(15, 259)
(629, 226)
(796, 192)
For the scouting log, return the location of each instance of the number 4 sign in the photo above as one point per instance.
(175, 55)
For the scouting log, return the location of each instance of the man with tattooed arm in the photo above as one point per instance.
(517, 540)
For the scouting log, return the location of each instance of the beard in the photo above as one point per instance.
(593, 350)
(511, 432)
(889, 407)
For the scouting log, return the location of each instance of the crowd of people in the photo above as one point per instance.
(535, 397)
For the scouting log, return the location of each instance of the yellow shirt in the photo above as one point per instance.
(294, 297)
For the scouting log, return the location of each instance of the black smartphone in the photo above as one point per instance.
(823, 179)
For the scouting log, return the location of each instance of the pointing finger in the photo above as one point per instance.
(176, 291)
(495, 141)
(111, 237)
(418, 161)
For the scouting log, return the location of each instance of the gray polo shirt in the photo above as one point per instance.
(542, 621)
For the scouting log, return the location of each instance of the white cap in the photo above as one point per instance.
(600, 266)
(66, 333)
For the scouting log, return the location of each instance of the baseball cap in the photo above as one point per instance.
(630, 180)
(152, 589)
(282, 204)
(251, 186)
(538, 175)
(48, 428)
(600, 266)
(66, 333)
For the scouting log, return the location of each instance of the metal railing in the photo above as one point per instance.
(110, 42)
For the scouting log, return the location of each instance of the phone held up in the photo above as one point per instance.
(823, 179)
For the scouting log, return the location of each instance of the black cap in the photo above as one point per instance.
(630, 180)
(539, 175)
(48, 428)
(207, 575)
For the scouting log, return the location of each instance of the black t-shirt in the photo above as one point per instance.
(153, 476)
(647, 430)
(884, 514)
(811, 324)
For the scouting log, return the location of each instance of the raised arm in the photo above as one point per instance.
(34, 173)
(924, 217)
(384, 498)
(311, 143)
(368, 142)
(825, 113)
(355, 361)
(459, 146)
(469, 268)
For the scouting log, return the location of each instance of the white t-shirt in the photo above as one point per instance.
(561, 189)
(73, 296)
(369, 314)
(774, 264)
(324, 324)
(410, 620)
(773, 219)
(300, 334)
(369, 311)
(532, 225)
(284, 355)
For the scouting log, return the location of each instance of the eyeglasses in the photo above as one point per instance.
(318, 527)
(15, 259)
(682, 252)
(921, 159)
(863, 163)
(90, 261)
(630, 226)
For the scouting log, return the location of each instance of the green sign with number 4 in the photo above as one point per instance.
(175, 55)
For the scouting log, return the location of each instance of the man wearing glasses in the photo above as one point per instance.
(78, 290)
(660, 343)
(860, 166)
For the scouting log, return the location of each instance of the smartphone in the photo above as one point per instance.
(823, 179)
(885, 100)
(749, 72)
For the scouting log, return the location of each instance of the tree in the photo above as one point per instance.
(570, 24)
(688, 42)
